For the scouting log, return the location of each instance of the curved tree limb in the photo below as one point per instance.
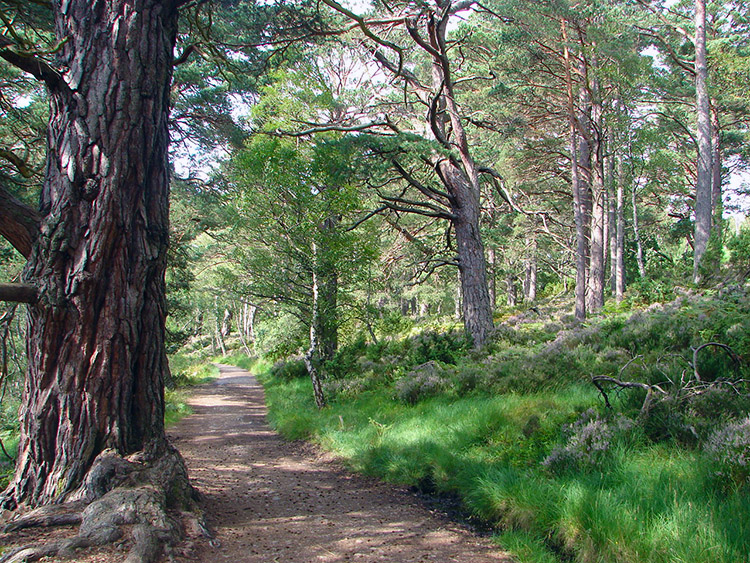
(19, 163)
(363, 24)
(34, 65)
(18, 293)
(428, 191)
(731, 353)
(19, 223)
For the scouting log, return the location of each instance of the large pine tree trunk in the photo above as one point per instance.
(476, 302)
(620, 231)
(703, 183)
(579, 215)
(492, 276)
(717, 203)
(612, 219)
(595, 279)
(579, 204)
(96, 352)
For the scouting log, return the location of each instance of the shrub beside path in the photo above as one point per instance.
(270, 500)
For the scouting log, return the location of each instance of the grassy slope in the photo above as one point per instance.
(640, 499)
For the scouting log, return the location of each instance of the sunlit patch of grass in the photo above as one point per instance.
(7, 463)
(185, 375)
(175, 405)
(646, 502)
(525, 546)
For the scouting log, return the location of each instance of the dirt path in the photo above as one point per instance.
(274, 501)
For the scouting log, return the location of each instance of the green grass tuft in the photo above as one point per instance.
(185, 374)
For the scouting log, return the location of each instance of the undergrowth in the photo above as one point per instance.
(186, 372)
(520, 435)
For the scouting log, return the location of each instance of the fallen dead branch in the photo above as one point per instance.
(690, 385)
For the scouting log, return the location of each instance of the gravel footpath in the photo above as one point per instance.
(268, 500)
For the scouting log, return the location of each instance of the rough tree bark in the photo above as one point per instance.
(703, 182)
(612, 218)
(596, 251)
(619, 261)
(93, 407)
(717, 203)
(476, 303)
(492, 276)
(96, 351)
(19, 224)
(579, 212)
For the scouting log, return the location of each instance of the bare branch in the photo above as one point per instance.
(433, 116)
(458, 81)
(428, 268)
(430, 192)
(183, 58)
(461, 6)
(400, 71)
(408, 236)
(19, 223)
(597, 380)
(363, 24)
(731, 353)
(333, 127)
(34, 65)
(439, 211)
(679, 29)
(20, 164)
(403, 209)
(499, 183)
(367, 217)
(18, 293)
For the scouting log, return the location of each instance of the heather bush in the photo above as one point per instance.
(289, 370)
(426, 380)
(729, 448)
(587, 442)
(447, 348)
(348, 388)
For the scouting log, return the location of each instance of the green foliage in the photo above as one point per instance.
(282, 338)
(739, 249)
(289, 370)
(426, 380)
(520, 436)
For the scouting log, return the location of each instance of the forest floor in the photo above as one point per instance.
(269, 500)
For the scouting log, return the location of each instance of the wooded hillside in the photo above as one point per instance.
(348, 188)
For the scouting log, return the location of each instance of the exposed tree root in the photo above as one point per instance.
(148, 492)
